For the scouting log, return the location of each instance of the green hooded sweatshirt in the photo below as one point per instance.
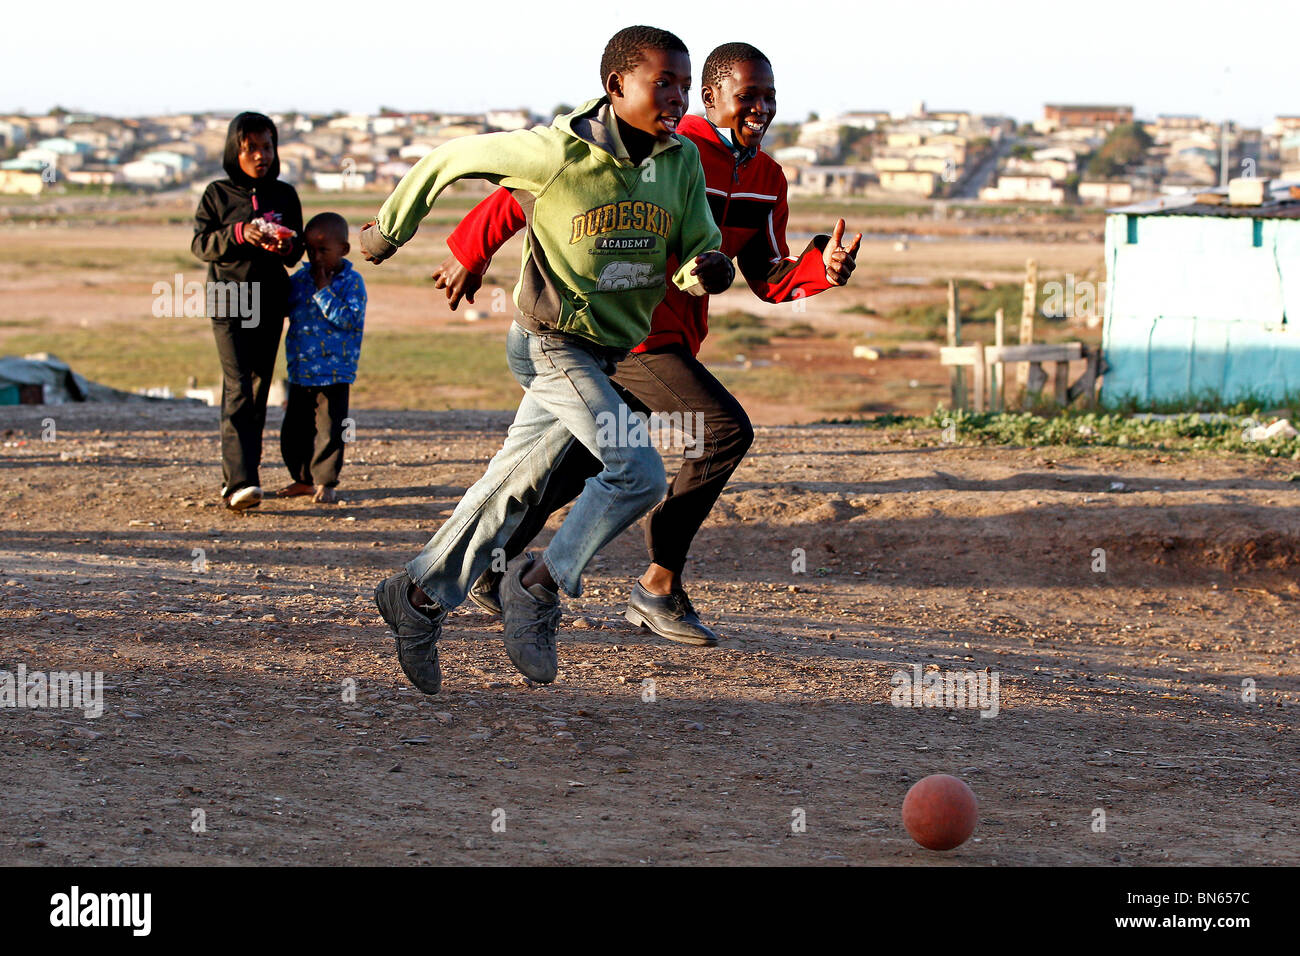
(602, 233)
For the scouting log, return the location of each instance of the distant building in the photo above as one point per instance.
(1286, 124)
(37, 157)
(391, 172)
(342, 181)
(510, 119)
(1057, 170)
(65, 146)
(960, 118)
(865, 119)
(883, 162)
(795, 155)
(356, 122)
(95, 176)
(1106, 192)
(461, 128)
(180, 124)
(1179, 121)
(47, 125)
(302, 154)
(12, 134)
(389, 123)
(142, 172)
(1064, 154)
(389, 142)
(179, 163)
(1200, 300)
(822, 136)
(831, 180)
(904, 139)
(21, 182)
(330, 142)
(915, 182)
(1024, 188)
(1064, 116)
(417, 151)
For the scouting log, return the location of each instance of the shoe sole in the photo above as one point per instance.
(638, 619)
(378, 590)
(486, 608)
(245, 504)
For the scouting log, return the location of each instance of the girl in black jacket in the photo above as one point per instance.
(241, 229)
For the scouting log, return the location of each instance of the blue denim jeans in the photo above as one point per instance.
(567, 393)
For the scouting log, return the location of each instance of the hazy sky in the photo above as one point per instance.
(1008, 57)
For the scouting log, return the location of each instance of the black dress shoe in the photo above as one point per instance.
(669, 615)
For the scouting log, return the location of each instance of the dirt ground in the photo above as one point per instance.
(226, 673)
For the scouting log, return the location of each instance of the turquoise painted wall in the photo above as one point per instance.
(1195, 305)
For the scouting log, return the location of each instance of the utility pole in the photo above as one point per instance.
(1223, 153)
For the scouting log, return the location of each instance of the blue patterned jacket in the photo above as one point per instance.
(325, 325)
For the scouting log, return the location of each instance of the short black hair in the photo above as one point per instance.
(724, 58)
(249, 123)
(627, 47)
(330, 223)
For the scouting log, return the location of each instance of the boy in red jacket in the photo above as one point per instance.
(747, 196)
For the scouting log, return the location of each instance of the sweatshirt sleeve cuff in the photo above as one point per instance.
(473, 264)
(373, 244)
(239, 232)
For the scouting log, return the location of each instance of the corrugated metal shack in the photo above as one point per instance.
(1203, 297)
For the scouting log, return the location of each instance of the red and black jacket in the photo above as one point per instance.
(747, 195)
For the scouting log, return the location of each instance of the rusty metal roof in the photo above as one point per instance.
(1279, 205)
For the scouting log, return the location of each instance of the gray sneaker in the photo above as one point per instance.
(415, 631)
(531, 619)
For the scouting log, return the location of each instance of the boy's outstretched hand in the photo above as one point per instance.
(374, 247)
(715, 271)
(457, 280)
(840, 261)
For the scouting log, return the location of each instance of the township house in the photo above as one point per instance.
(1203, 296)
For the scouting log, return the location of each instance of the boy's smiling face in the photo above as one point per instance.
(256, 153)
(743, 101)
(652, 97)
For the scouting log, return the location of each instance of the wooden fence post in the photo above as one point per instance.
(1028, 305)
(954, 338)
(998, 398)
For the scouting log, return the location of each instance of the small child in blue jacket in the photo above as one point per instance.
(327, 310)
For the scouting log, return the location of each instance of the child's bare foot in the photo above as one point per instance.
(325, 495)
(295, 490)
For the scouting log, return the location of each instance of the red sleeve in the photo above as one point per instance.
(485, 230)
(768, 267)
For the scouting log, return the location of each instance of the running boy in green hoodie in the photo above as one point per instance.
(615, 205)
